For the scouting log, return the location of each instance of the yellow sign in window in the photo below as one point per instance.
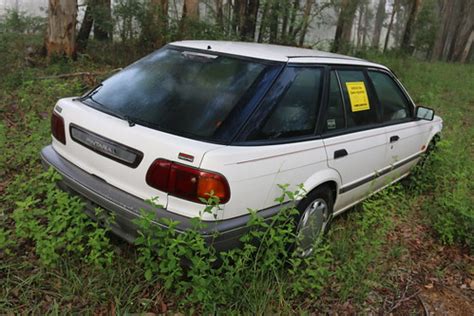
(358, 96)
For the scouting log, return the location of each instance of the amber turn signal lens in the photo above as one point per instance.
(212, 186)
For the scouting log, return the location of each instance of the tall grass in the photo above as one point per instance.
(53, 259)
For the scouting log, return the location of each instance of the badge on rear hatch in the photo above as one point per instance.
(186, 157)
(106, 147)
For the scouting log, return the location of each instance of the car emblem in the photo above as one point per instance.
(100, 146)
(186, 157)
(106, 147)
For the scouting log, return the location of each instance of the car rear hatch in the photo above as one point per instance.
(119, 154)
(173, 101)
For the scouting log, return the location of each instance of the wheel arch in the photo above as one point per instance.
(328, 177)
(435, 133)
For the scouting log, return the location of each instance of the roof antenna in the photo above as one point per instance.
(209, 47)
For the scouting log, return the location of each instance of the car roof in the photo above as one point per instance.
(274, 52)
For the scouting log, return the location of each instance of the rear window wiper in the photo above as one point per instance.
(103, 108)
(90, 93)
(131, 121)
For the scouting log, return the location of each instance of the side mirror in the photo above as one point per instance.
(424, 113)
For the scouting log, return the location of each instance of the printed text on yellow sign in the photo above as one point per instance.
(358, 96)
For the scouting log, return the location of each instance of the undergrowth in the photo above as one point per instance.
(54, 259)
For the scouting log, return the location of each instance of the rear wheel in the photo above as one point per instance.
(316, 213)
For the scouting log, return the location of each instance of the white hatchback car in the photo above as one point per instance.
(237, 119)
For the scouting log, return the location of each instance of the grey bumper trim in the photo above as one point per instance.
(126, 207)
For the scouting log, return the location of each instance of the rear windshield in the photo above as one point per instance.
(177, 91)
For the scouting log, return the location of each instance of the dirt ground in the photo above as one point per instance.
(437, 279)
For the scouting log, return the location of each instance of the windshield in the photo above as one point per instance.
(177, 91)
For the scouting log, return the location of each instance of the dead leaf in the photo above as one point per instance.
(112, 309)
(429, 286)
(16, 292)
(163, 307)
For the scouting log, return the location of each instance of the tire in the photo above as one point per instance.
(315, 216)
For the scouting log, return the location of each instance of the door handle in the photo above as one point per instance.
(394, 138)
(340, 153)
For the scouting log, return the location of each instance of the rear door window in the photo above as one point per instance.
(335, 117)
(394, 104)
(360, 108)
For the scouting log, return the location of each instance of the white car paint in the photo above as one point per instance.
(253, 172)
(151, 142)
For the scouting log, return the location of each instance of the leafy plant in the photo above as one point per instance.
(58, 226)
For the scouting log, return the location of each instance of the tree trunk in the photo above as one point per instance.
(237, 16)
(159, 21)
(294, 11)
(463, 58)
(398, 28)
(249, 22)
(360, 28)
(190, 15)
(241, 19)
(274, 19)
(379, 18)
(285, 20)
(86, 27)
(470, 50)
(345, 21)
(220, 13)
(61, 29)
(365, 30)
(102, 20)
(463, 30)
(263, 21)
(191, 9)
(407, 35)
(450, 32)
(390, 24)
(457, 24)
(445, 6)
(306, 15)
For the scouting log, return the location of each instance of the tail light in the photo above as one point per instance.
(187, 182)
(57, 127)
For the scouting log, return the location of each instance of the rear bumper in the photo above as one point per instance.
(126, 207)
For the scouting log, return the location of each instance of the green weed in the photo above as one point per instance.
(213, 279)
(57, 225)
(54, 259)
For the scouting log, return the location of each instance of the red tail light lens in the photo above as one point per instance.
(187, 182)
(57, 127)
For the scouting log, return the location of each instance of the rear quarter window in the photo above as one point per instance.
(294, 114)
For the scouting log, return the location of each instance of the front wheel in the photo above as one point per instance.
(316, 213)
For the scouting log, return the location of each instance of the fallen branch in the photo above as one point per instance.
(425, 306)
(79, 74)
(402, 300)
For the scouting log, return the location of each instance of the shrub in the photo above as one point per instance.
(57, 224)
(449, 205)
(212, 279)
